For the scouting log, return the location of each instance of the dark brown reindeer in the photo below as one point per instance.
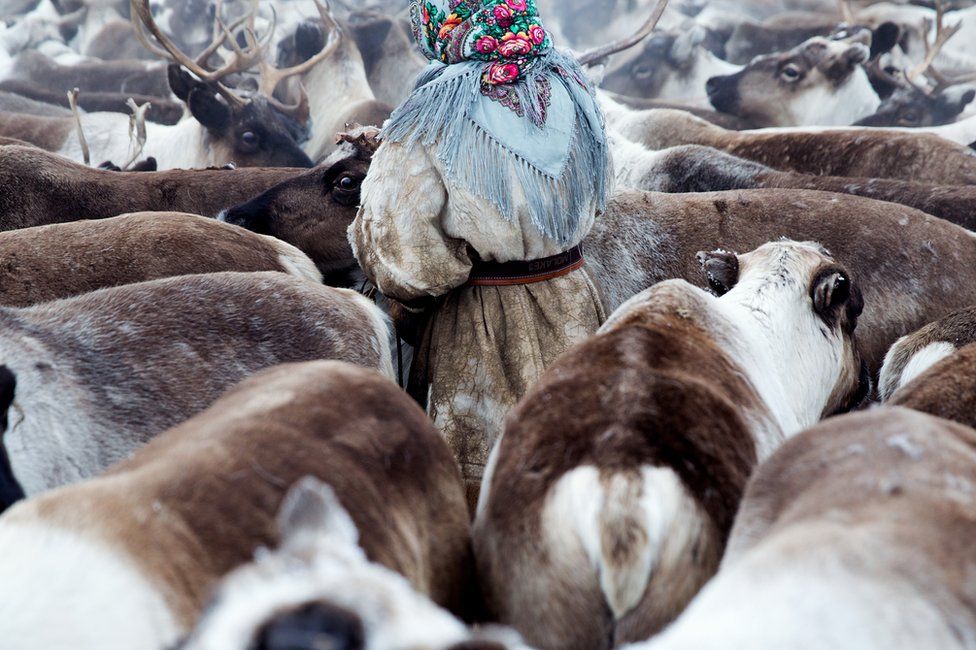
(53, 189)
(313, 211)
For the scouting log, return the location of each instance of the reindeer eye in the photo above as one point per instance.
(249, 138)
(347, 183)
(790, 72)
(910, 117)
(643, 71)
(346, 189)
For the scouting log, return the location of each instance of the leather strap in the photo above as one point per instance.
(494, 274)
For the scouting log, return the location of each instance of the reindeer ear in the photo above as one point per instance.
(834, 295)
(685, 44)
(309, 40)
(884, 38)
(966, 98)
(10, 489)
(208, 109)
(180, 81)
(311, 510)
(8, 385)
(370, 30)
(721, 270)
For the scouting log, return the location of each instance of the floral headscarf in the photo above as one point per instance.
(504, 108)
(506, 34)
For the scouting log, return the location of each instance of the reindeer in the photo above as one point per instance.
(100, 374)
(51, 189)
(335, 76)
(336, 597)
(912, 355)
(259, 131)
(913, 107)
(694, 168)
(853, 535)
(69, 259)
(11, 102)
(670, 65)
(629, 457)
(162, 110)
(819, 82)
(130, 558)
(938, 380)
(314, 210)
(749, 39)
(908, 102)
(390, 57)
(905, 154)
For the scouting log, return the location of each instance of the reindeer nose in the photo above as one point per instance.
(314, 626)
(713, 85)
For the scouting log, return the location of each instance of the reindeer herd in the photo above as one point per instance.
(767, 444)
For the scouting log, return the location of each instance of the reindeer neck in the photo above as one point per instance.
(185, 145)
(770, 326)
(341, 78)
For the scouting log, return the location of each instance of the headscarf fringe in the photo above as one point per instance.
(438, 113)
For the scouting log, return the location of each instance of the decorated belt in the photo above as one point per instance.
(494, 274)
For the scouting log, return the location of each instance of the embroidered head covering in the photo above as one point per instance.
(510, 114)
(506, 34)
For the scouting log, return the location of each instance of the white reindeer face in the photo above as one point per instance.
(806, 305)
(319, 590)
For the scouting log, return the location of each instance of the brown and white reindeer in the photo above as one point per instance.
(913, 354)
(608, 499)
(98, 375)
(946, 388)
(319, 589)
(130, 559)
(856, 534)
(69, 259)
(819, 82)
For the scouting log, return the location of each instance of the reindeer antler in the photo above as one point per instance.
(220, 31)
(272, 76)
(596, 54)
(82, 140)
(846, 12)
(243, 60)
(942, 35)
